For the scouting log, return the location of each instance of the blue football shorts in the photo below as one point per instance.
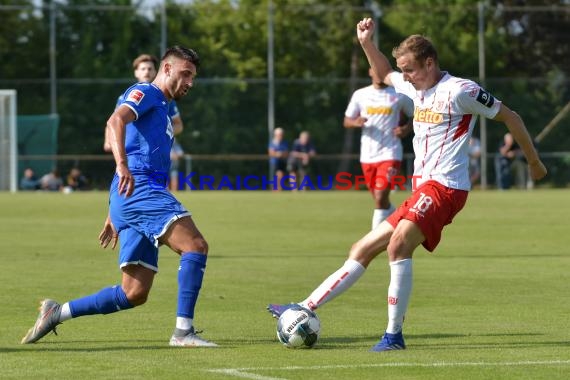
(142, 218)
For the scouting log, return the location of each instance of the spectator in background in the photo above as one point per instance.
(278, 151)
(29, 181)
(474, 160)
(300, 158)
(176, 155)
(52, 181)
(76, 180)
(509, 160)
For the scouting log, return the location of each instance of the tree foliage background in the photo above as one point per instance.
(317, 63)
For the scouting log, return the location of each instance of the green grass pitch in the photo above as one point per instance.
(493, 302)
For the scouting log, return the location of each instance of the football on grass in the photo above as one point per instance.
(298, 327)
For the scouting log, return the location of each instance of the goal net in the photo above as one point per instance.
(8, 141)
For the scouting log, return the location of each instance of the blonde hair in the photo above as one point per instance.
(421, 48)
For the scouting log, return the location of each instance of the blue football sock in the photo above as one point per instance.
(106, 301)
(190, 275)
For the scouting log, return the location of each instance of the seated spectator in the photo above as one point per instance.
(52, 181)
(76, 180)
(29, 180)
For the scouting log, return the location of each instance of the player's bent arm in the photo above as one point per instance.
(106, 144)
(519, 132)
(177, 124)
(378, 61)
(116, 127)
(353, 122)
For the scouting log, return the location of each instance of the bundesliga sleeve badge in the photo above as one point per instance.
(485, 98)
(135, 96)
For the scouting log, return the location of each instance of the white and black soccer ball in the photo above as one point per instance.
(298, 327)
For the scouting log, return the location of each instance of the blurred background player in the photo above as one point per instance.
(379, 110)
(278, 151)
(445, 109)
(300, 158)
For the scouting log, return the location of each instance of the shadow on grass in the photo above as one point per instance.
(442, 336)
(101, 346)
(415, 341)
(467, 344)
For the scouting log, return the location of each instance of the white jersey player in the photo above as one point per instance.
(378, 109)
(445, 112)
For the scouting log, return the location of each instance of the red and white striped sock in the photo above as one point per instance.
(335, 284)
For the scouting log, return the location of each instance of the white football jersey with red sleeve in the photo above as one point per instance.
(444, 117)
(381, 108)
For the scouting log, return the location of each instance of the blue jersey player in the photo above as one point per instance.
(142, 212)
(144, 70)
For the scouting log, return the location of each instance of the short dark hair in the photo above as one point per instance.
(183, 53)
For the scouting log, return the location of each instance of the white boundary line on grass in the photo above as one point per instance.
(245, 373)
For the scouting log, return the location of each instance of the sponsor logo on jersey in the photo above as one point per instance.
(379, 110)
(485, 98)
(135, 96)
(427, 116)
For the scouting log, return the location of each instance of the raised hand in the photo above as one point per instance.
(365, 30)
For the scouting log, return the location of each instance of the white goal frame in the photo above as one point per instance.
(8, 141)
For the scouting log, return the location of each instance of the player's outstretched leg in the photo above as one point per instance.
(106, 301)
(361, 254)
(334, 285)
(47, 321)
(277, 309)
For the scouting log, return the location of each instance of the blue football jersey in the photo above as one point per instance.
(172, 106)
(149, 138)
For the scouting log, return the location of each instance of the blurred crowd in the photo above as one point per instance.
(53, 181)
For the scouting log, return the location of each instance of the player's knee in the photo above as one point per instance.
(397, 248)
(137, 296)
(200, 245)
(358, 253)
(196, 244)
